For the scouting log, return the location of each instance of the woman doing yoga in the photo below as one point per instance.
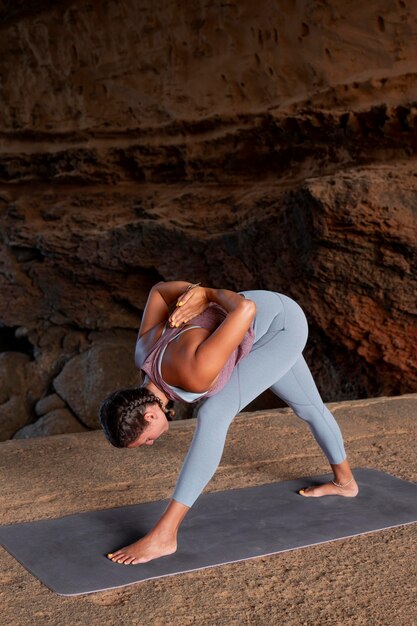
(225, 348)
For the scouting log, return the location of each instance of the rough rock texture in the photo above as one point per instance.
(367, 580)
(49, 403)
(244, 145)
(18, 385)
(57, 422)
(89, 377)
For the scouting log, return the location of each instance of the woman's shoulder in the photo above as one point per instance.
(146, 342)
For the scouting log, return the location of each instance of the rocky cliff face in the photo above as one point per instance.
(247, 146)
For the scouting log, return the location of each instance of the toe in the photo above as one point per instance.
(121, 558)
(115, 555)
(129, 560)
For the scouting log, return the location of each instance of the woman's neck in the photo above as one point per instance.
(155, 390)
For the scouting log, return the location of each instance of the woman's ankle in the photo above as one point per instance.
(342, 472)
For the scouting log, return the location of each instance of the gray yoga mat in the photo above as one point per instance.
(69, 554)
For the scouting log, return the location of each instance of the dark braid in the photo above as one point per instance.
(122, 414)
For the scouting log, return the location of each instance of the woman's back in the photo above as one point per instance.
(178, 348)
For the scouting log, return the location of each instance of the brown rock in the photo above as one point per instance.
(327, 243)
(49, 403)
(88, 378)
(14, 407)
(57, 422)
(253, 158)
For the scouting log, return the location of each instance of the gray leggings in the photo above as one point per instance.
(275, 362)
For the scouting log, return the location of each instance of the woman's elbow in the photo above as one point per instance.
(251, 306)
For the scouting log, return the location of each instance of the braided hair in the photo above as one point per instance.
(122, 414)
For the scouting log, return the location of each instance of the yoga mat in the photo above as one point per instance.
(69, 554)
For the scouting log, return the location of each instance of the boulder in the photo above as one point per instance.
(88, 378)
(14, 406)
(49, 403)
(57, 422)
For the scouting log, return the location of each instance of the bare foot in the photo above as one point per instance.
(329, 489)
(152, 546)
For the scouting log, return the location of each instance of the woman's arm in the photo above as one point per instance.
(161, 301)
(171, 290)
(196, 300)
(212, 354)
(229, 300)
(208, 357)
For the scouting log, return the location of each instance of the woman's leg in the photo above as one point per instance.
(280, 336)
(298, 389)
(274, 362)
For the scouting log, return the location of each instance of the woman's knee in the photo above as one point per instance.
(309, 413)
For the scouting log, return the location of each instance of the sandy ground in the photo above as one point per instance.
(369, 580)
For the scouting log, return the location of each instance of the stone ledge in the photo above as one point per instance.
(62, 474)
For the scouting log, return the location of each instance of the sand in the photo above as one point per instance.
(369, 580)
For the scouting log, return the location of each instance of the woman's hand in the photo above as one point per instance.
(190, 304)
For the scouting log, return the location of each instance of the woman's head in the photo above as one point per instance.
(131, 417)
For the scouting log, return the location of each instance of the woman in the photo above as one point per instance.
(238, 345)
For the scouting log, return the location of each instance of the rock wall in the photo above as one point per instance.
(247, 146)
